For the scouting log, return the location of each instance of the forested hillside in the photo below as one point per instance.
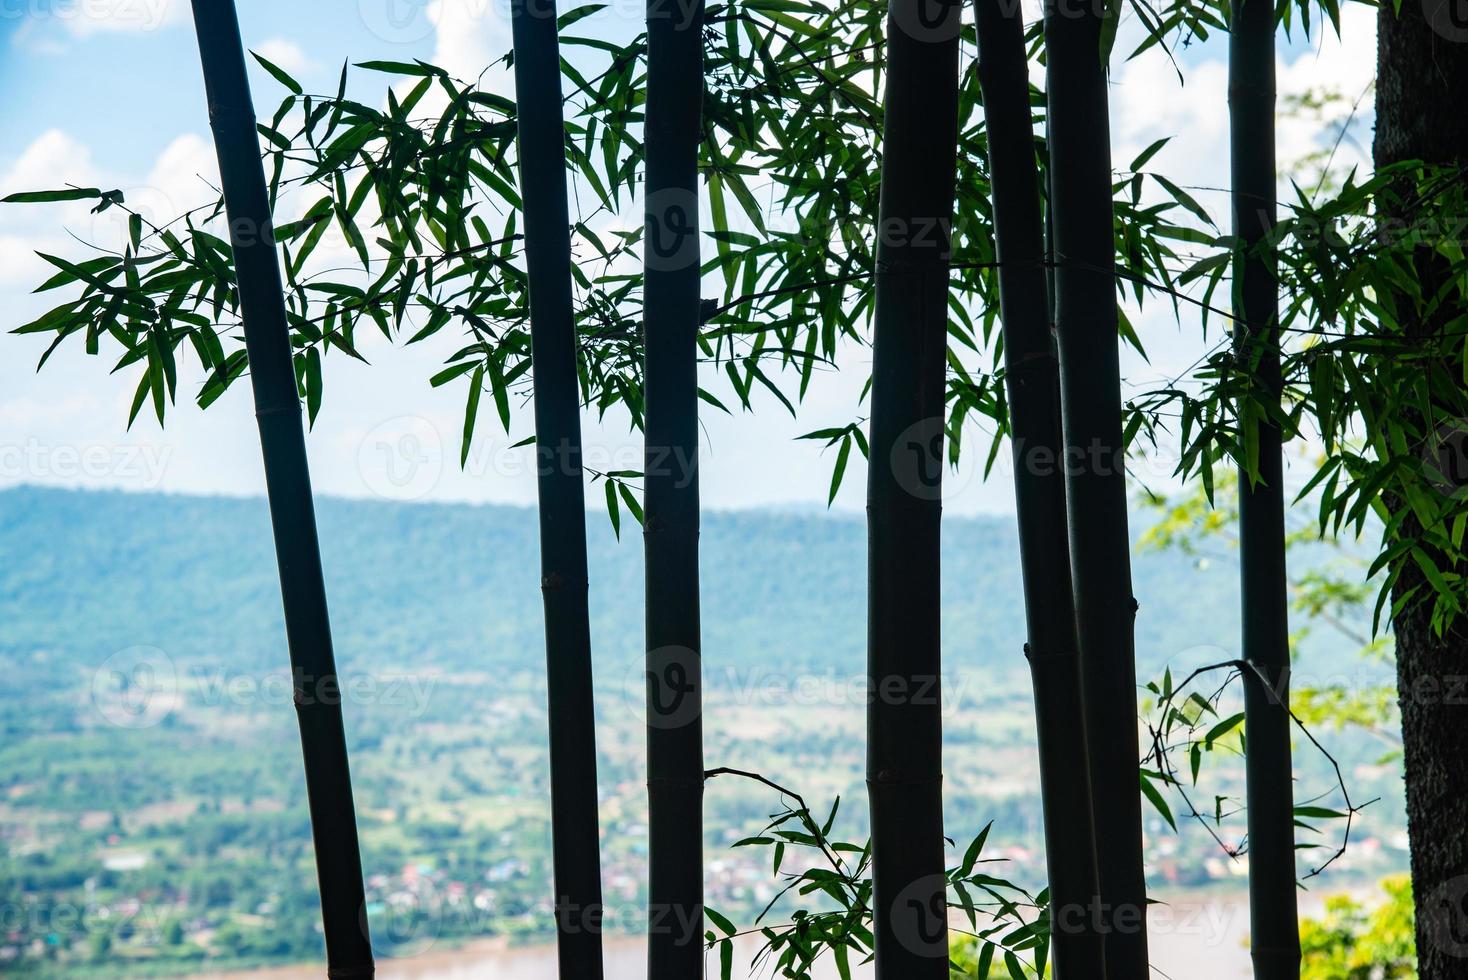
(167, 821)
(456, 587)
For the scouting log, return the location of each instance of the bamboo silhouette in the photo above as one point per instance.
(1032, 380)
(1090, 379)
(671, 313)
(1273, 910)
(904, 488)
(288, 485)
(575, 842)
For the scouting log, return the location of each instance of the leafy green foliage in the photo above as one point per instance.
(409, 223)
(1005, 922)
(1373, 369)
(1330, 593)
(1198, 728)
(1354, 941)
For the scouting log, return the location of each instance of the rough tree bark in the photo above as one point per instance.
(1422, 75)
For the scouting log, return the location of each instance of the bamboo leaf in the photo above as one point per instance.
(278, 73)
(1158, 803)
(471, 412)
(46, 197)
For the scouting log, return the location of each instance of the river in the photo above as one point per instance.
(1189, 940)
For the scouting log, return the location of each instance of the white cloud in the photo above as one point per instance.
(51, 28)
(468, 35)
(287, 55)
(179, 179)
(183, 177)
(1344, 65)
(188, 160)
(215, 449)
(1148, 102)
(19, 265)
(84, 17)
(53, 159)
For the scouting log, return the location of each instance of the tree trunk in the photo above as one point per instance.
(904, 489)
(1422, 73)
(1086, 328)
(671, 510)
(1032, 379)
(571, 714)
(1273, 911)
(288, 485)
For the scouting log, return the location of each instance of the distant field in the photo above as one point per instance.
(151, 806)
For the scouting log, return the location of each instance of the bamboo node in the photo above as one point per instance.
(345, 972)
(889, 778)
(1049, 656)
(218, 111)
(269, 410)
(676, 782)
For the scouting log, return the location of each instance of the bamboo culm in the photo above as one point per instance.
(1096, 493)
(288, 486)
(571, 715)
(1032, 379)
(904, 489)
(671, 314)
(1273, 908)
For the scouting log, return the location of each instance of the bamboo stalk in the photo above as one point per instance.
(1273, 909)
(904, 489)
(288, 485)
(571, 714)
(1090, 379)
(1032, 379)
(670, 481)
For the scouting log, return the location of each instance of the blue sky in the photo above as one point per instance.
(108, 93)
